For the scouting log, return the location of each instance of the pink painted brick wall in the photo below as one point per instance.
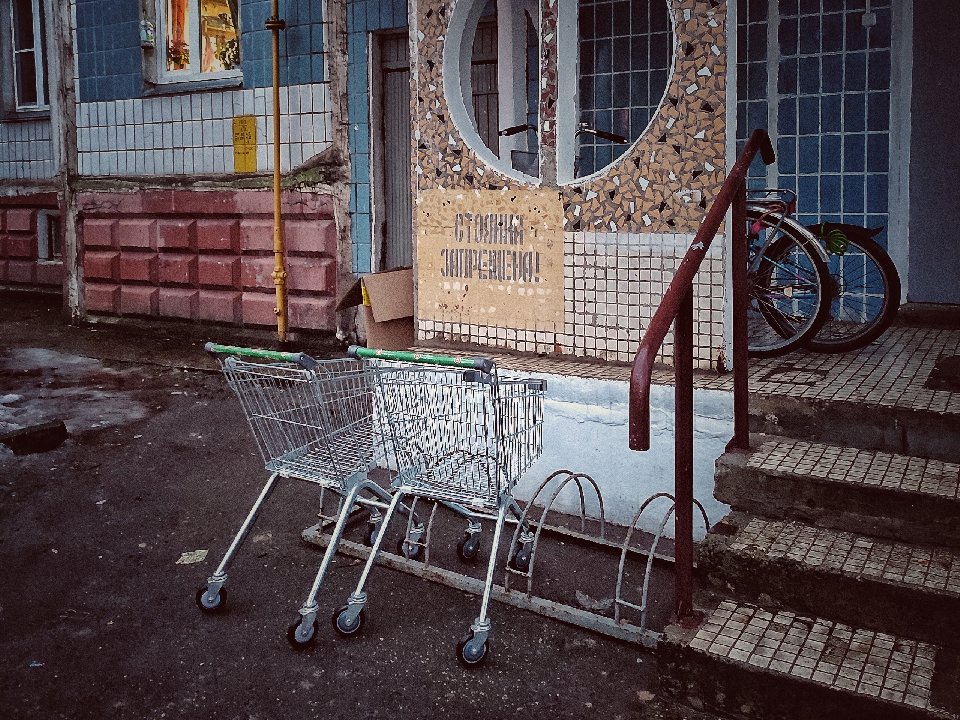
(208, 255)
(21, 220)
(49, 274)
(101, 298)
(139, 267)
(178, 269)
(138, 300)
(179, 302)
(220, 306)
(219, 271)
(137, 233)
(307, 273)
(258, 308)
(100, 233)
(177, 234)
(22, 271)
(101, 265)
(218, 235)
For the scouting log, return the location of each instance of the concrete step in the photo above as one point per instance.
(909, 590)
(912, 499)
(926, 422)
(755, 664)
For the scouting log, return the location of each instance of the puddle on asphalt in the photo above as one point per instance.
(39, 385)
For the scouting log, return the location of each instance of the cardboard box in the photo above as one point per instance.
(386, 301)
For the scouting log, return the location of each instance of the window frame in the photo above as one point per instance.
(49, 239)
(39, 51)
(165, 76)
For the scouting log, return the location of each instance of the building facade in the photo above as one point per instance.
(543, 164)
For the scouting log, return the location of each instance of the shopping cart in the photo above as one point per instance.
(461, 435)
(314, 421)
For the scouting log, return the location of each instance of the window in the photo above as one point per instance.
(198, 39)
(48, 236)
(497, 44)
(615, 58)
(626, 55)
(29, 61)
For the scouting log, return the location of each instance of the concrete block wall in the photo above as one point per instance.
(19, 263)
(208, 256)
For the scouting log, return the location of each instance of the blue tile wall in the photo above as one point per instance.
(364, 16)
(108, 49)
(109, 54)
(832, 105)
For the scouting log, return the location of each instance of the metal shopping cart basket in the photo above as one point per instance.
(314, 421)
(461, 435)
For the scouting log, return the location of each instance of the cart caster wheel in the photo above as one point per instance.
(341, 625)
(373, 529)
(470, 653)
(468, 549)
(300, 639)
(407, 549)
(214, 605)
(521, 560)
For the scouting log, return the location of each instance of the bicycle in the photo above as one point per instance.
(864, 286)
(786, 274)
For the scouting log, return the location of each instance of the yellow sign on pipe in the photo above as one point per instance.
(245, 143)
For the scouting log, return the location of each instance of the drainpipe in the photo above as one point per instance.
(274, 24)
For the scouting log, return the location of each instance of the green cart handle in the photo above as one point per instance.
(477, 363)
(300, 358)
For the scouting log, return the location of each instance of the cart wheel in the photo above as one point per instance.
(470, 653)
(208, 605)
(468, 549)
(521, 560)
(342, 626)
(406, 549)
(300, 639)
(372, 530)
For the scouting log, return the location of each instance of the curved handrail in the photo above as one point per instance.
(642, 372)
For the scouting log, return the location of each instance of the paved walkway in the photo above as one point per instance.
(890, 372)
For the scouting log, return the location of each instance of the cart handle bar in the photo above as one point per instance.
(478, 363)
(300, 358)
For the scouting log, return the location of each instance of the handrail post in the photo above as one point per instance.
(683, 455)
(740, 302)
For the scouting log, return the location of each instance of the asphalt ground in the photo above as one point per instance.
(97, 619)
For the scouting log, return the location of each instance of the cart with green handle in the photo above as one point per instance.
(461, 435)
(314, 421)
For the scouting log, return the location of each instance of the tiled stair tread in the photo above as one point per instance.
(863, 467)
(862, 661)
(929, 568)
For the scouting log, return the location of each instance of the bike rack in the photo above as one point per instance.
(535, 516)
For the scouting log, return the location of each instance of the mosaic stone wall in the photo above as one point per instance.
(625, 229)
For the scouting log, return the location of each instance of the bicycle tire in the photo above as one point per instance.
(787, 294)
(866, 297)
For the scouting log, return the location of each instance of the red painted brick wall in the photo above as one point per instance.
(19, 264)
(207, 255)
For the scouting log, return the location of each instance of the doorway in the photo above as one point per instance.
(393, 209)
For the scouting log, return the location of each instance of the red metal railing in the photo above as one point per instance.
(677, 305)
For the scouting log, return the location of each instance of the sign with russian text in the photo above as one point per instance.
(245, 143)
(491, 257)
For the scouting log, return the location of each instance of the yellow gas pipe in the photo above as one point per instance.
(274, 24)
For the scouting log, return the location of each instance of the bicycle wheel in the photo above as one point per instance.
(866, 297)
(787, 293)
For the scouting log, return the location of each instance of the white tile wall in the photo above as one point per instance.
(613, 284)
(26, 150)
(193, 134)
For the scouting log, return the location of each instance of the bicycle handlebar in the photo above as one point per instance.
(477, 363)
(301, 359)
